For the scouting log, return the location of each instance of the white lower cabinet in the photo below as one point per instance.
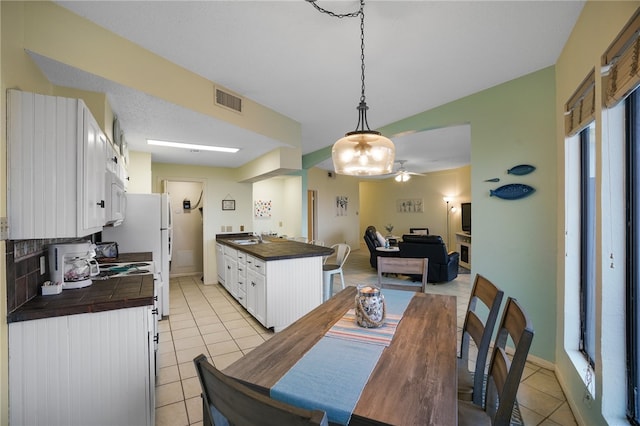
(242, 279)
(220, 262)
(231, 271)
(274, 292)
(256, 290)
(85, 369)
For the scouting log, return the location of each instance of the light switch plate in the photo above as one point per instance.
(4, 228)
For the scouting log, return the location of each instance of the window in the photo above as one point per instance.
(588, 244)
(633, 254)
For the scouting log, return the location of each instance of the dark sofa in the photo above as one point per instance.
(443, 265)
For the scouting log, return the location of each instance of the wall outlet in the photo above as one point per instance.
(43, 266)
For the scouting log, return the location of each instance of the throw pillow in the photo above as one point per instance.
(381, 239)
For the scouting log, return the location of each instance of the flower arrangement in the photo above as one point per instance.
(389, 228)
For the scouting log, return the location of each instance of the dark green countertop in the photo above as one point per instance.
(273, 248)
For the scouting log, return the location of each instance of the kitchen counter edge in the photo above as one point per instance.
(275, 248)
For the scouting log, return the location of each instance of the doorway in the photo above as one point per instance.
(187, 220)
(312, 215)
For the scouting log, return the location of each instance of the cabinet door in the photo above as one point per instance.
(83, 369)
(220, 262)
(231, 275)
(41, 165)
(92, 167)
(256, 295)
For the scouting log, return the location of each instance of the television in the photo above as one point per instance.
(466, 217)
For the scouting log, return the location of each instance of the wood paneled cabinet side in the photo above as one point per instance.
(92, 368)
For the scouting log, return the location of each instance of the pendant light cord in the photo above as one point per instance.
(362, 98)
(339, 15)
(363, 125)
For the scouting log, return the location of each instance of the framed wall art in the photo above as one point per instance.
(228, 204)
(342, 202)
(262, 209)
(410, 205)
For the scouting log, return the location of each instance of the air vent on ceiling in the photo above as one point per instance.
(227, 100)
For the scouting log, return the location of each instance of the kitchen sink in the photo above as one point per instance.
(248, 242)
(244, 242)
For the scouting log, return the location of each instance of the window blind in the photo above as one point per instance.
(580, 108)
(620, 63)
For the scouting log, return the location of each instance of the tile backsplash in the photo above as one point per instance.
(24, 277)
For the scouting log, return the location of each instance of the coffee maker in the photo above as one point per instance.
(73, 264)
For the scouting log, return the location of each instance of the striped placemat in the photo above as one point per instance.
(346, 328)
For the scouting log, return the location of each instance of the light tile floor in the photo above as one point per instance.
(206, 319)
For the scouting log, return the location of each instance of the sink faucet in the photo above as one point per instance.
(258, 236)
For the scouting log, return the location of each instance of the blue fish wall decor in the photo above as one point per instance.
(513, 191)
(521, 170)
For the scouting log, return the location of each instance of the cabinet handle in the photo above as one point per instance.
(240, 297)
(155, 298)
(258, 266)
(154, 311)
(253, 283)
(127, 177)
(156, 338)
(101, 203)
(228, 267)
(115, 160)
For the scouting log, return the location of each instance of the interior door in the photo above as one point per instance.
(312, 212)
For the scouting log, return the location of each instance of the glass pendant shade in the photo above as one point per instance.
(363, 153)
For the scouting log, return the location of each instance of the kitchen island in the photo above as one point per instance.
(276, 280)
(87, 355)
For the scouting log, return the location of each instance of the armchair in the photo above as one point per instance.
(443, 265)
(372, 240)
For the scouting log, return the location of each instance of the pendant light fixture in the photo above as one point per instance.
(362, 152)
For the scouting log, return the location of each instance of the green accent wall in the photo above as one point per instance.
(513, 242)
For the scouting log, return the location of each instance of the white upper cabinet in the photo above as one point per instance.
(115, 188)
(56, 167)
(91, 167)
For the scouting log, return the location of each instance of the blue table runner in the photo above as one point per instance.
(332, 374)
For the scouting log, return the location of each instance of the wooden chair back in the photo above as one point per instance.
(226, 399)
(480, 331)
(505, 372)
(405, 266)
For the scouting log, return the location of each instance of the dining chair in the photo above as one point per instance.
(470, 384)
(300, 239)
(329, 268)
(405, 266)
(226, 401)
(504, 373)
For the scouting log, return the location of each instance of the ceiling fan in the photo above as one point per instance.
(403, 175)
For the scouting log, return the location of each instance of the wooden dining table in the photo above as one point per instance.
(414, 382)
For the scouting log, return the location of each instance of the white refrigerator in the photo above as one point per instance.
(147, 228)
